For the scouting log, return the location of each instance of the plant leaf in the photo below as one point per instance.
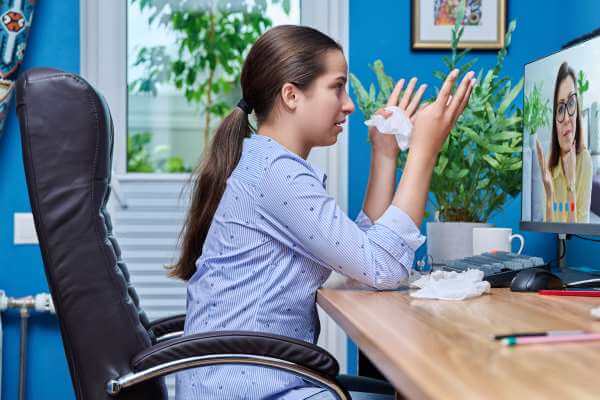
(510, 97)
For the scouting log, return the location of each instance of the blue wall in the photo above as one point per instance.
(53, 42)
(383, 30)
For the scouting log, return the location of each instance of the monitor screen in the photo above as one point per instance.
(561, 141)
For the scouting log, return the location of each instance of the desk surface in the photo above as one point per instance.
(432, 349)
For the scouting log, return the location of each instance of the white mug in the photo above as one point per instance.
(495, 239)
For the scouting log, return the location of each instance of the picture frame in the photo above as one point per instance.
(433, 20)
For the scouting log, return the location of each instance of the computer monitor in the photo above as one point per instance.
(561, 142)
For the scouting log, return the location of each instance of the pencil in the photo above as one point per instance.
(585, 337)
(542, 333)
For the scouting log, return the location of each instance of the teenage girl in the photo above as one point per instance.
(263, 234)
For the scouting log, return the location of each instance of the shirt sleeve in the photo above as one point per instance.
(295, 207)
(363, 221)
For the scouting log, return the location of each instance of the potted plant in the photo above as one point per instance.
(477, 169)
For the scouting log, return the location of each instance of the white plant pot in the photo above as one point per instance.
(450, 240)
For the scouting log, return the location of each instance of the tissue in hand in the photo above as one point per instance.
(396, 124)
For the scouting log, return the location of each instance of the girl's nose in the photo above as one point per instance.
(348, 106)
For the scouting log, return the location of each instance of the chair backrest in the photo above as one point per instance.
(67, 140)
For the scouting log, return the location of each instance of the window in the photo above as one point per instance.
(183, 65)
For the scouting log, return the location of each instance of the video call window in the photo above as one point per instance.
(561, 143)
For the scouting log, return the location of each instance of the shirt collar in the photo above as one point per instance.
(320, 174)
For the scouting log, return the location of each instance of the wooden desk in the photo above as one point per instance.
(432, 349)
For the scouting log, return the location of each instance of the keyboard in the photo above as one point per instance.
(498, 268)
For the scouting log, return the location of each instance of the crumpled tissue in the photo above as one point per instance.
(396, 124)
(450, 285)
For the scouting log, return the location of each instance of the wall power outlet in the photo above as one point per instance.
(24, 229)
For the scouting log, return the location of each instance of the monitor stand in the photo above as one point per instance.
(583, 269)
(570, 275)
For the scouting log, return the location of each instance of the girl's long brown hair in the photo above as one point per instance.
(564, 72)
(286, 53)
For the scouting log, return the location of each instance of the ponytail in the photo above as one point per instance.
(208, 186)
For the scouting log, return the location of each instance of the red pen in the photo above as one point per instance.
(571, 292)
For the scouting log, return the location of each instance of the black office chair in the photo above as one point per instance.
(112, 349)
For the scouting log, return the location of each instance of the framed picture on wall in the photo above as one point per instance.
(433, 20)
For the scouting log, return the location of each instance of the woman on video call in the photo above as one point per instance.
(567, 174)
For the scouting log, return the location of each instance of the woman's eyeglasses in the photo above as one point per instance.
(570, 107)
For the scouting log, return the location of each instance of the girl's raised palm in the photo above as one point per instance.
(546, 175)
(386, 144)
(433, 123)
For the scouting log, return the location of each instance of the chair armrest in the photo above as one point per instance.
(167, 326)
(301, 358)
(238, 342)
(366, 384)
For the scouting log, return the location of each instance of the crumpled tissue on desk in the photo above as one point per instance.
(450, 285)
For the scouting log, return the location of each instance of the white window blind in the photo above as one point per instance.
(147, 219)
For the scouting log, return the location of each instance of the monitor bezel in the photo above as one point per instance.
(554, 227)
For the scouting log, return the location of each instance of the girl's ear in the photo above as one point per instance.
(289, 96)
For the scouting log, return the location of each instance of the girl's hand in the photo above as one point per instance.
(386, 144)
(434, 122)
(545, 171)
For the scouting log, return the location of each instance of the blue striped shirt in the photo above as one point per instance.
(274, 240)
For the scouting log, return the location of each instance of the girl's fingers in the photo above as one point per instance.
(422, 106)
(407, 94)
(465, 100)
(446, 89)
(414, 103)
(540, 154)
(393, 99)
(449, 100)
(460, 94)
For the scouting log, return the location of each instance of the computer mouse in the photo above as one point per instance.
(534, 279)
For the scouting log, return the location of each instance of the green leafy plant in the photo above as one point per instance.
(583, 85)
(536, 111)
(212, 41)
(477, 168)
(140, 158)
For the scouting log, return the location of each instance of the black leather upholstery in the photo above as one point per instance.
(167, 325)
(67, 138)
(237, 342)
